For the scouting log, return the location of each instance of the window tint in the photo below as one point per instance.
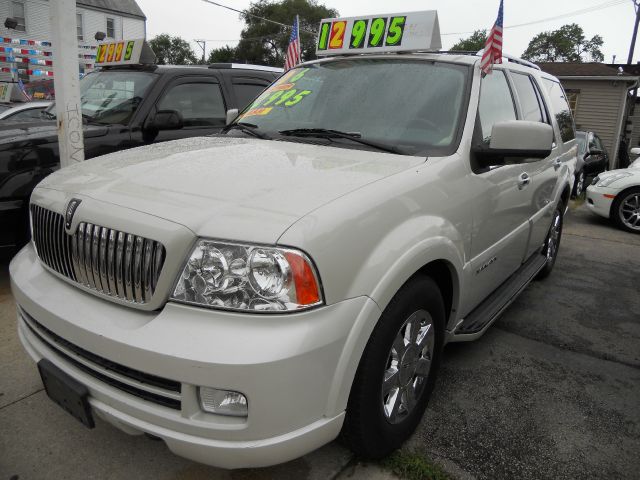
(79, 32)
(201, 104)
(111, 28)
(561, 110)
(19, 16)
(247, 92)
(496, 103)
(528, 98)
(31, 114)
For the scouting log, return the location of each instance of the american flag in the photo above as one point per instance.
(293, 51)
(493, 46)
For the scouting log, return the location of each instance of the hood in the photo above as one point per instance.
(39, 132)
(228, 188)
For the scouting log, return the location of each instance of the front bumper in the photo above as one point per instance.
(295, 369)
(597, 202)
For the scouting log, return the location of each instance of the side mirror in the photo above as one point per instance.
(232, 114)
(515, 141)
(635, 151)
(167, 120)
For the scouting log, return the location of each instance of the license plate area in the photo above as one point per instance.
(71, 395)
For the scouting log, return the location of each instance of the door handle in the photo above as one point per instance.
(523, 180)
(557, 163)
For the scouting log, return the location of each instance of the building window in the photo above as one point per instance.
(79, 31)
(18, 15)
(572, 98)
(111, 28)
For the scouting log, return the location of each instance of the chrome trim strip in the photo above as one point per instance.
(87, 254)
(95, 266)
(119, 262)
(127, 267)
(146, 269)
(102, 261)
(110, 265)
(137, 269)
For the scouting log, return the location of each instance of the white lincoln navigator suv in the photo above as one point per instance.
(250, 296)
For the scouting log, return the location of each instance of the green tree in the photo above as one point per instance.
(567, 44)
(472, 43)
(172, 50)
(266, 43)
(224, 54)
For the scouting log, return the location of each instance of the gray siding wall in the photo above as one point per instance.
(39, 28)
(599, 109)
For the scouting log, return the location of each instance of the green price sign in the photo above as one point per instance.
(376, 32)
(323, 37)
(358, 33)
(395, 31)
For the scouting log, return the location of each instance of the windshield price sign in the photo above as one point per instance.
(410, 31)
(124, 52)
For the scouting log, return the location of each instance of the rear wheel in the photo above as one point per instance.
(397, 371)
(626, 210)
(552, 243)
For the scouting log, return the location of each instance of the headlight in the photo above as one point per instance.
(248, 277)
(613, 178)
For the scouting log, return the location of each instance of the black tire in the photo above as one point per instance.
(552, 242)
(369, 429)
(625, 210)
(578, 184)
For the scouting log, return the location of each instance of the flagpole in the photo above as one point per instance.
(299, 40)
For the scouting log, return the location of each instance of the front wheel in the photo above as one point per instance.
(626, 210)
(578, 185)
(552, 242)
(397, 371)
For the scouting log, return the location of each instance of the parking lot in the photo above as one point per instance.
(551, 391)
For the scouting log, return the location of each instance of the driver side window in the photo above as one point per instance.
(200, 104)
(496, 103)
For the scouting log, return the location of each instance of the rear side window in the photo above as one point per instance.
(561, 109)
(496, 103)
(529, 102)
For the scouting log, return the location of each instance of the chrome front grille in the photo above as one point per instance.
(109, 261)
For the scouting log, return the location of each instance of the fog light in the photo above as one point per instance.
(223, 402)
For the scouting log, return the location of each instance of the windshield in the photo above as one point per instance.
(111, 97)
(414, 105)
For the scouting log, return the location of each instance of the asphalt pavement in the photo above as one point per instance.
(551, 391)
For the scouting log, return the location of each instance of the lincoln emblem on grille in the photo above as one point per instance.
(71, 209)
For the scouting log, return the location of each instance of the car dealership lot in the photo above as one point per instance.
(551, 391)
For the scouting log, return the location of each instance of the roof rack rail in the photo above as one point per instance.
(511, 58)
(520, 61)
(245, 66)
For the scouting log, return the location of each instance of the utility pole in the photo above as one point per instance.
(66, 81)
(636, 5)
(203, 45)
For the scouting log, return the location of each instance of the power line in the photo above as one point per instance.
(556, 17)
(244, 12)
(581, 11)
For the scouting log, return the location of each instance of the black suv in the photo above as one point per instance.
(123, 107)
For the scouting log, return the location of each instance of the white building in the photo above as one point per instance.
(118, 19)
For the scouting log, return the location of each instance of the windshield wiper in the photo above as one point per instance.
(353, 136)
(245, 127)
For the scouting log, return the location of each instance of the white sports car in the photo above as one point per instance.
(616, 195)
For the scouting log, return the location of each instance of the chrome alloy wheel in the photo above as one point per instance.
(554, 237)
(580, 184)
(408, 365)
(629, 211)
